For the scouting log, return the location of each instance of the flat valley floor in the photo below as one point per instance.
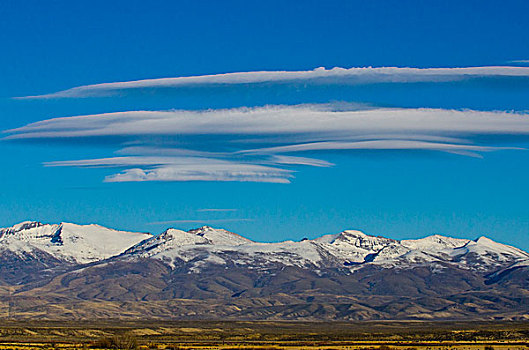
(148, 334)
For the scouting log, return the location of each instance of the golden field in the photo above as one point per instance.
(148, 334)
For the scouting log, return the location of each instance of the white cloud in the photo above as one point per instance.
(214, 145)
(198, 172)
(215, 210)
(198, 221)
(280, 159)
(378, 145)
(181, 169)
(356, 75)
(169, 152)
(138, 161)
(311, 120)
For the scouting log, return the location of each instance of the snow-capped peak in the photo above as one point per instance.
(219, 236)
(486, 244)
(25, 225)
(68, 242)
(206, 245)
(486, 252)
(363, 241)
(434, 242)
(485, 241)
(173, 243)
(180, 238)
(202, 229)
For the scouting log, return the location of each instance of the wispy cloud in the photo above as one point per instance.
(313, 121)
(198, 221)
(381, 145)
(197, 172)
(253, 144)
(132, 161)
(520, 61)
(215, 210)
(181, 169)
(280, 159)
(360, 75)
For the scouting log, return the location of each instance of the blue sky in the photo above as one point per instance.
(399, 153)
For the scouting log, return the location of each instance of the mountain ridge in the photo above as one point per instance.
(88, 271)
(351, 246)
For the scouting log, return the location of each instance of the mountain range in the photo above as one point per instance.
(68, 271)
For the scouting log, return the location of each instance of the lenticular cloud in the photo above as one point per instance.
(337, 75)
(310, 122)
(261, 144)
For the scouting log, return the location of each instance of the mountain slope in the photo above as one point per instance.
(72, 243)
(73, 271)
(347, 250)
(32, 251)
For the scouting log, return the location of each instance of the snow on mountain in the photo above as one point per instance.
(68, 242)
(208, 245)
(219, 236)
(352, 247)
(348, 249)
(431, 249)
(434, 243)
(484, 252)
(173, 238)
(197, 248)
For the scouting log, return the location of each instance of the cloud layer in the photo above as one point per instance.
(337, 75)
(310, 121)
(257, 144)
(181, 169)
(200, 172)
